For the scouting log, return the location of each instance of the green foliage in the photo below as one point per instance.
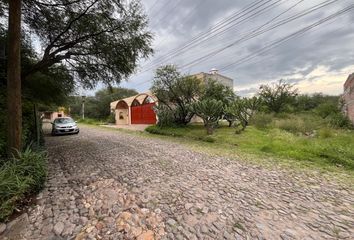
(325, 133)
(217, 91)
(210, 110)
(330, 110)
(261, 120)
(163, 131)
(208, 139)
(326, 109)
(176, 92)
(20, 177)
(48, 86)
(339, 120)
(241, 111)
(334, 153)
(165, 115)
(111, 118)
(277, 97)
(98, 106)
(297, 125)
(310, 102)
(91, 121)
(45, 88)
(98, 40)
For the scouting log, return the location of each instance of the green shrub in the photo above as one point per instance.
(337, 156)
(261, 120)
(211, 111)
(91, 121)
(326, 109)
(208, 139)
(111, 118)
(325, 133)
(282, 115)
(338, 120)
(162, 131)
(296, 125)
(20, 177)
(267, 149)
(165, 116)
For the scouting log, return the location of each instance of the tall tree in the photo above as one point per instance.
(277, 96)
(176, 92)
(14, 111)
(97, 40)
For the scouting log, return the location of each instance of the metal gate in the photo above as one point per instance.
(143, 114)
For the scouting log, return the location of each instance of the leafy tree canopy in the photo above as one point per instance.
(218, 91)
(97, 40)
(50, 86)
(277, 96)
(241, 111)
(176, 92)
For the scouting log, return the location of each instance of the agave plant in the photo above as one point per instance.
(211, 111)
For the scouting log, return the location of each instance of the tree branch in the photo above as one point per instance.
(51, 44)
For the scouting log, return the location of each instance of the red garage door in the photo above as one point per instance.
(143, 114)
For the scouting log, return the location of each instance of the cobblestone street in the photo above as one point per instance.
(106, 184)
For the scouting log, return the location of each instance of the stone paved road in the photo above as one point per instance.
(106, 184)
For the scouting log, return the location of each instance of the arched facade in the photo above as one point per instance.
(135, 110)
(122, 112)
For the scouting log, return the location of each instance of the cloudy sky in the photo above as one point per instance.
(305, 42)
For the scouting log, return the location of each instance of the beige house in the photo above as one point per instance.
(214, 75)
(49, 116)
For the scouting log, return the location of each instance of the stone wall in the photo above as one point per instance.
(348, 97)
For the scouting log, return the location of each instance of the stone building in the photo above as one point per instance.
(348, 97)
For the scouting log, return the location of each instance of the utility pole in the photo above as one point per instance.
(83, 107)
(14, 104)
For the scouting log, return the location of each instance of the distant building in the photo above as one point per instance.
(50, 116)
(214, 75)
(348, 97)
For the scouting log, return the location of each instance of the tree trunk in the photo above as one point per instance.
(209, 129)
(14, 106)
(230, 123)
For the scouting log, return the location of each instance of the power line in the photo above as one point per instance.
(282, 40)
(216, 27)
(289, 37)
(186, 18)
(152, 6)
(256, 32)
(166, 13)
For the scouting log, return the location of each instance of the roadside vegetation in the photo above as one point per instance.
(278, 122)
(21, 177)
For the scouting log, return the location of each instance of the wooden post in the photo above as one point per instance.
(14, 105)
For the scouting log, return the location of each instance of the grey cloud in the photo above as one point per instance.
(331, 45)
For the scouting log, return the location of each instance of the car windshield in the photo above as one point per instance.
(63, 120)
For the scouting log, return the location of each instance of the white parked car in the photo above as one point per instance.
(64, 125)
